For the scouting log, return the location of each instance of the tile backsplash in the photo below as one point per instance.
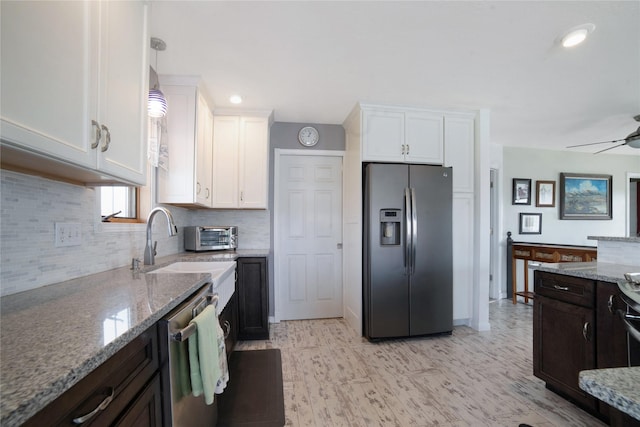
(30, 206)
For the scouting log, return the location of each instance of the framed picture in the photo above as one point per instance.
(585, 196)
(530, 223)
(521, 191)
(545, 194)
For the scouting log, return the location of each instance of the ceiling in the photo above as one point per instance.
(311, 61)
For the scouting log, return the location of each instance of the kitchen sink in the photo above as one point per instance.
(222, 275)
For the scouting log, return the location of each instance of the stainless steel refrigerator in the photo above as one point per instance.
(407, 259)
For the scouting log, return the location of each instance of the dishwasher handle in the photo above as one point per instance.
(184, 333)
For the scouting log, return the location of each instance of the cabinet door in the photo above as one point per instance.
(253, 299)
(176, 185)
(145, 411)
(49, 77)
(612, 337)
(424, 138)
(382, 136)
(204, 153)
(123, 90)
(229, 323)
(458, 151)
(563, 345)
(253, 162)
(225, 161)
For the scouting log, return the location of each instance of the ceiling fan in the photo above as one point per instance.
(632, 140)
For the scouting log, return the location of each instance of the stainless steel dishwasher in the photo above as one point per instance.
(180, 407)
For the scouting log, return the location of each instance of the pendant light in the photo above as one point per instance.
(157, 103)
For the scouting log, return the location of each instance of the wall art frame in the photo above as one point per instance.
(545, 194)
(585, 196)
(521, 191)
(530, 223)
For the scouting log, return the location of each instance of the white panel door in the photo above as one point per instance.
(309, 236)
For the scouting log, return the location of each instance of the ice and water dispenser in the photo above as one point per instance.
(390, 227)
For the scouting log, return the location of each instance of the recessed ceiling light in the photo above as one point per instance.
(235, 99)
(576, 35)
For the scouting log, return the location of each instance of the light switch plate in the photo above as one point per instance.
(68, 234)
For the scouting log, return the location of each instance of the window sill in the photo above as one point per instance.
(119, 227)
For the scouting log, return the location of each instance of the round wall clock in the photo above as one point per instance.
(308, 136)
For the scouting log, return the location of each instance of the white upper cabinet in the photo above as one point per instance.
(189, 141)
(240, 161)
(396, 135)
(226, 133)
(74, 84)
(459, 150)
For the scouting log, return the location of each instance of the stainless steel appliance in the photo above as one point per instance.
(201, 238)
(407, 259)
(180, 407)
(630, 317)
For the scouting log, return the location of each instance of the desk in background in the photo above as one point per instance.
(543, 252)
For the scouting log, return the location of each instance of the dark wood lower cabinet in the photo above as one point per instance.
(130, 377)
(563, 346)
(229, 323)
(575, 328)
(253, 299)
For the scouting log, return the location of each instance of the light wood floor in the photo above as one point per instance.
(332, 377)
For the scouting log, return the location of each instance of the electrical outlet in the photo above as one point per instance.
(68, 234)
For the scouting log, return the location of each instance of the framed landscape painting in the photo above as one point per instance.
(585, 196)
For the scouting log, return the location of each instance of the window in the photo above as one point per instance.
(119, 204)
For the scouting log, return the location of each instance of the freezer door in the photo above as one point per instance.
(431, 284)
(386, 292)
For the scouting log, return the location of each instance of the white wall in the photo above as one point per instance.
(547, 165)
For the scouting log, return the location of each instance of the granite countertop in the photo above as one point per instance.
(52, 337)
(634, 239)
(595, 270)
(616, 386)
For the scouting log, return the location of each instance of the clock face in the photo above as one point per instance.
(308, 136)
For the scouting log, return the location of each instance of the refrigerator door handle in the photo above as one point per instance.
(414, 229)
(408, 233)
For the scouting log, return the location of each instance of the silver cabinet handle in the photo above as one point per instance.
(98, 136)
(610, 304)
(107, 139)
(101, 407)
(227, 326)
(208, 193)
(198, 188)
(408, 149)
(403, 149)
(585, 331)
(561, 288)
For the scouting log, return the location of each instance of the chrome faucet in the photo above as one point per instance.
(150, 248)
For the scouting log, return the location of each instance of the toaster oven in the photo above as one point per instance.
(214, 238)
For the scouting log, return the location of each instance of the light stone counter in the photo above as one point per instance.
(52, 337)
(619, 387)
(596, 270)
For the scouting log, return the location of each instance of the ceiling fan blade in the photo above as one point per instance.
(594, 143)
(610, 148)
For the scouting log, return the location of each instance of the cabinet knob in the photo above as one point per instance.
(98, 134)
(585, 331)
(107, 139)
